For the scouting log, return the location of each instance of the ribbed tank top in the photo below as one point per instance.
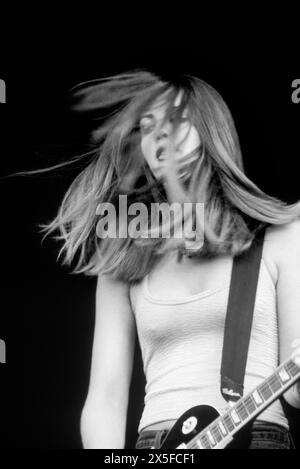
(181, 342)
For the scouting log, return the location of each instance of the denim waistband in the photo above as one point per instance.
(264, 435)
(151, 439)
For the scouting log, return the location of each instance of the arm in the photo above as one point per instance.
(288, 298)
(103, 420)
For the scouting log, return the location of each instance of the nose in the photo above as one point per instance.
(161, 135)
(163, 131)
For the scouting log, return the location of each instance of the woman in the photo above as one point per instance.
(174, 140)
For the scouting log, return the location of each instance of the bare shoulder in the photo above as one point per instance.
(113, 297)
(283, 237)
(112, 284)
(281, 242)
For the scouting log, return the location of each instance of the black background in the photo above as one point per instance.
(48, 314)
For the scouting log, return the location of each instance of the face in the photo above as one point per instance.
(158, 136)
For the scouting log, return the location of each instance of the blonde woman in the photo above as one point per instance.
(162, 140)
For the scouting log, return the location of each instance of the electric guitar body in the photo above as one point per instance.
(203, 427)
(192, 422)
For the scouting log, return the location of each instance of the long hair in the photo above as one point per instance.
(235, 208)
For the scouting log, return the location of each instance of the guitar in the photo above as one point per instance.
(203, 427)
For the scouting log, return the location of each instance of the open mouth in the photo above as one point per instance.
(160, 151)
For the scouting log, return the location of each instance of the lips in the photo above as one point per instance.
(160, 151)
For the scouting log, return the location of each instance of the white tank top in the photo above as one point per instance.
(181, 342)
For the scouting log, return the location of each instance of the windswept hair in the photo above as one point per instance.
(235, 208)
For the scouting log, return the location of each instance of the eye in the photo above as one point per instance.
(180, 119)
(184, 119)
(146, 124)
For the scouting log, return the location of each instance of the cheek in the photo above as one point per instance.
(189, 139)
(193, 140)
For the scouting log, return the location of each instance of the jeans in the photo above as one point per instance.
(260, 435)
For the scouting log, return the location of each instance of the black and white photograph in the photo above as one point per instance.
(150, 240)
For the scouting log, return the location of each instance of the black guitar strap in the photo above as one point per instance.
(238, 323)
